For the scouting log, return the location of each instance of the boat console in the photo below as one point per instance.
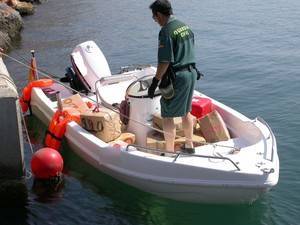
(142, 108)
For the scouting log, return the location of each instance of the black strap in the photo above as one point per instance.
(53, 135)
(189, 67)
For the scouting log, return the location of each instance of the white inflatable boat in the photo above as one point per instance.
(233, 171)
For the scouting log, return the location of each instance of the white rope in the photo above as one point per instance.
(26, 132)
(111, 107)
(86, 96)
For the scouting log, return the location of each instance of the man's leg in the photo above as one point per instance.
(187, 123)
(169, 133)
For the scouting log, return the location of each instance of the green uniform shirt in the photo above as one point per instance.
(176, 44)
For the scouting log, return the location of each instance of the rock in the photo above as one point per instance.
(24, 8)
(4, 40)
(34, 1)
(10, 25)
(10, 3)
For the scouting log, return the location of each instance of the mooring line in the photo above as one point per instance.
(46, 74)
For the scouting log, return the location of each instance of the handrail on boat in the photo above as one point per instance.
(181, 153)
(271, 134)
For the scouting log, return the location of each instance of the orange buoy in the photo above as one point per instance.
(26, 94)
(57, 128)
(46, 163)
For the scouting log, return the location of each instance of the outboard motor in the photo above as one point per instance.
(89, 64)
(73, 79)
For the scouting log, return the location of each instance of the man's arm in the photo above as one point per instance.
(161, 70)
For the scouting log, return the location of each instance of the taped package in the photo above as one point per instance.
(157, 122)
(156, 140)
(214, 128)
(75, 102)
(104, 124)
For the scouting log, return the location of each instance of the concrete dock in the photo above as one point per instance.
(11, 137)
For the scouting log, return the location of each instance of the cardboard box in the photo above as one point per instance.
(157, 122)
(104, 124)
(156, 140)
(76, 102)
(197, 141)
(214, 128)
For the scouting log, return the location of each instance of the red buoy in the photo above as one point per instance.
(46, 163)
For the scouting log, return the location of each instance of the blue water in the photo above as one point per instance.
(249, 51)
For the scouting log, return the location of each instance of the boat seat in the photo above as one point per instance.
(51, 91)
(117, 78)
(114, 93)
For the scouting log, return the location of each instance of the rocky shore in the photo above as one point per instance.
(11, 12)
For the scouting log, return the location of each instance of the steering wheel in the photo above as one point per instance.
(139, 88)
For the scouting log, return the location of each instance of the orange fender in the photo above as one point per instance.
(41, 83)
(25, 99)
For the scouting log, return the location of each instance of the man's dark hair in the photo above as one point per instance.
(162, 6)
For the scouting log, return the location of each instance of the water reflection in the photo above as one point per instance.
(13, 202)
(13, 193)
(142, 208)
(36, 130)
(47, 191)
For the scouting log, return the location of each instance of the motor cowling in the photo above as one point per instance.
(89, 64)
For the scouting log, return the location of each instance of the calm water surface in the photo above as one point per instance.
(249, 51)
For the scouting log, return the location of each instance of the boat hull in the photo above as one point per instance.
(160, 175)
(187, 190)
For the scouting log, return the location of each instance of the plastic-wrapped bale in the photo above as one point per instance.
(156, 140)
(129, 138)
(105, 124)
(214, 128)
(75, 102)
(157, 122)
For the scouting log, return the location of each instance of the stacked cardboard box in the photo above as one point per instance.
(104, 124)
(157, 122)
(129, 138)
(156, 140)
(214, 128)
(75, 102)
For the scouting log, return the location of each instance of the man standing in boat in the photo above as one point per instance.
(176, 52)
